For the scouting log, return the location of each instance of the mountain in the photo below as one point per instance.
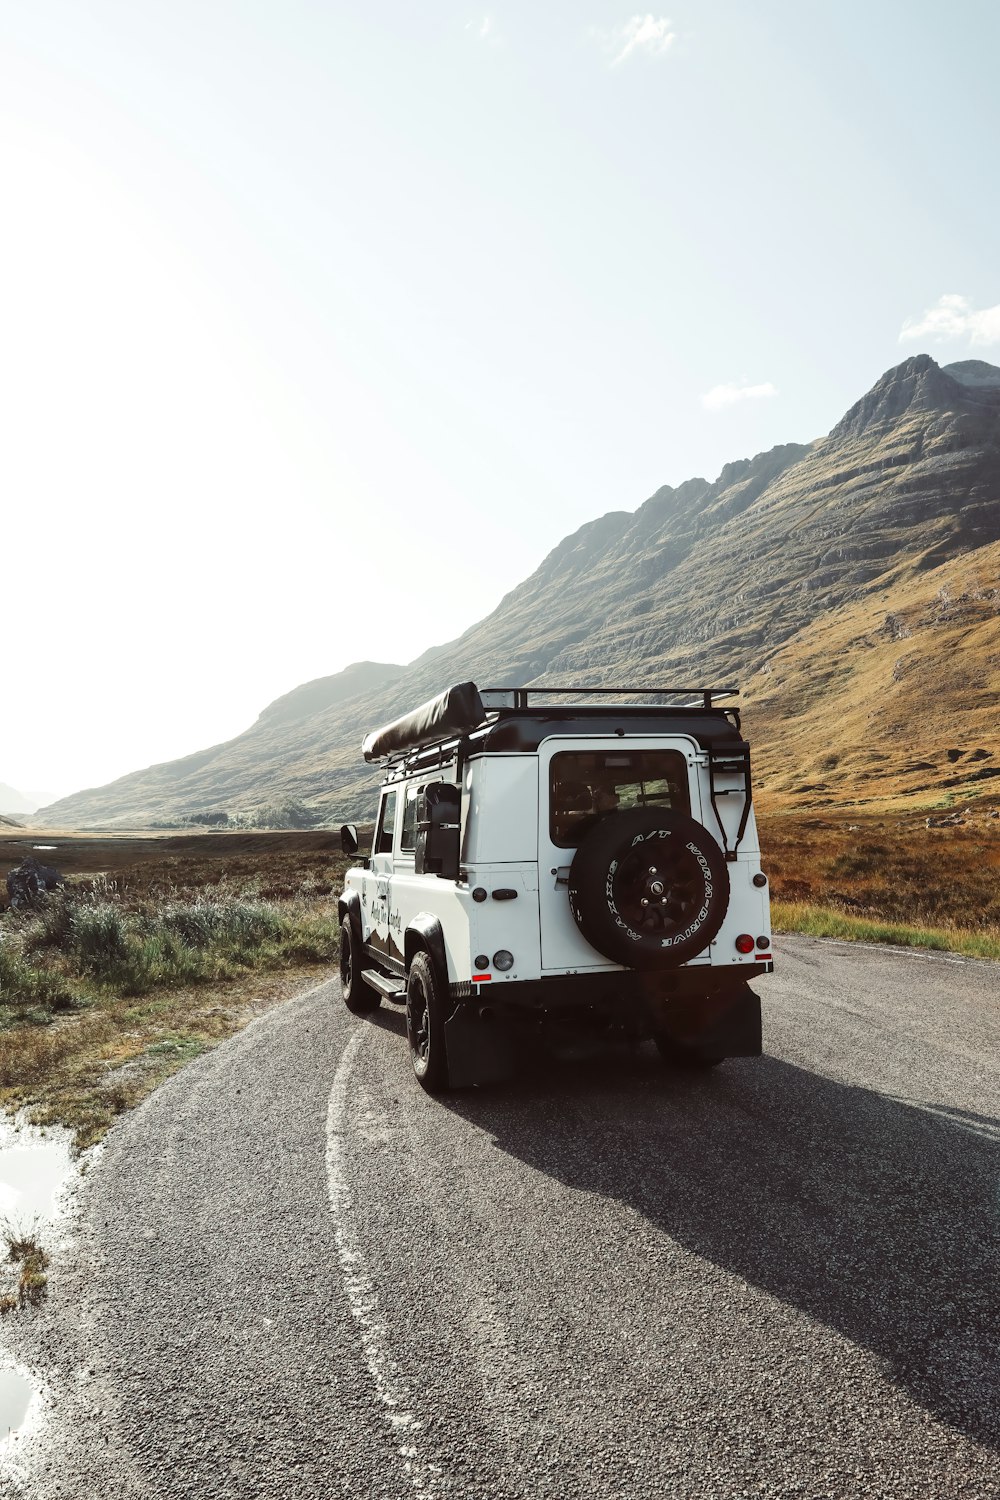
(850, 585)
(12, 801)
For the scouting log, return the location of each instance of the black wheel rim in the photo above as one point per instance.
(655, 897)
(418, 1021)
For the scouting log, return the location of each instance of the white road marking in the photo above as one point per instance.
(362, 1296)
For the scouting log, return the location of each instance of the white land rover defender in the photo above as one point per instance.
(538, 864)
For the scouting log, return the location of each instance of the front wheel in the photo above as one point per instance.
(359, 997)
(425, 1019)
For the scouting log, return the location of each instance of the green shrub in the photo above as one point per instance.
(29, 991)
(98, 936)
(230, 923)
(52, 926)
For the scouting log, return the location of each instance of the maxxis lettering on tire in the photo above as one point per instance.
(649, 888)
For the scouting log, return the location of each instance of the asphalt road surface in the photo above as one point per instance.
(300, 1276)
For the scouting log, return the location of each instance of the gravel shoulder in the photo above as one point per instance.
(605, 1278)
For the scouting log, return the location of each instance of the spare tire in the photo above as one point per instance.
(649, 888)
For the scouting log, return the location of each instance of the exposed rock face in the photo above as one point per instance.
(708, 582)
(973, 372)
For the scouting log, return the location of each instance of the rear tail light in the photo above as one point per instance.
(744, 943)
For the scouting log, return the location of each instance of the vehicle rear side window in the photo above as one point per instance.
(408, 833)
(386, 825)
(588, 785)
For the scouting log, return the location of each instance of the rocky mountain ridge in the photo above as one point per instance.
(766, 567)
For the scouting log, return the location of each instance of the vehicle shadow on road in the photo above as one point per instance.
(873, 1215)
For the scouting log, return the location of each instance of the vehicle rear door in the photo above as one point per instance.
(581, 782)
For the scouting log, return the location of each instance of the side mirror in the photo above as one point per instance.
(349, 838)
(439, 816)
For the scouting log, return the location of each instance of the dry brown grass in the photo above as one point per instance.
(270, 865)
(888, 867)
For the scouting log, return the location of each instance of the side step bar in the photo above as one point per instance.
(386, 985)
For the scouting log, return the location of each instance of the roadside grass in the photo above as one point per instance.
(825, 921)
(31, 1285)
(113, 984)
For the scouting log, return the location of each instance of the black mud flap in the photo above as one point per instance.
(478, 1050)
(725, 1023)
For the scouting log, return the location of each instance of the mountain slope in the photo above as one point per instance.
(789, 561)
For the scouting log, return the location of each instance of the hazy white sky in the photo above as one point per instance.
(321, 323)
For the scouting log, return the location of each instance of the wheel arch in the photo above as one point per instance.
(350, 904)
(425, 934)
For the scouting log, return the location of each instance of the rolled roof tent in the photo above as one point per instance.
(458, 710)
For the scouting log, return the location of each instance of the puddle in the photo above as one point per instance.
(34, 1168)
(15, 1397)
(31, 1175)
(45, 846)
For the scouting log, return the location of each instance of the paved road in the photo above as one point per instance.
(605, 1280)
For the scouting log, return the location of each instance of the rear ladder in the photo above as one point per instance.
(722, 762)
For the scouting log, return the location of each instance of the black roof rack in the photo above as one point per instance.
(520, 697)
(462, 716)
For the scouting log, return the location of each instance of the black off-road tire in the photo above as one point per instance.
(425, 1018)
(359, 997)
(649, 888)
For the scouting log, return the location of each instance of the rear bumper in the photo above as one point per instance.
(581, 991)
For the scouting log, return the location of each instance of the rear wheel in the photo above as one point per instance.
(425, 1019)
(359, 997)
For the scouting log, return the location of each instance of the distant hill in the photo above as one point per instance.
(13, 801)
(850, 585)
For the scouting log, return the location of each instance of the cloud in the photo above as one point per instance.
(648, 33)
(954, 317)
(721, 396)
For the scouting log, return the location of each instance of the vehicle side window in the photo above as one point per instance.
(408, 835)
(386, 825)
(588, 785)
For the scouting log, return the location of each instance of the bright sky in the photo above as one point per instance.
(322, 321)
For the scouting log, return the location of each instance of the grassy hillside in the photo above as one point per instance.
(889, 700)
